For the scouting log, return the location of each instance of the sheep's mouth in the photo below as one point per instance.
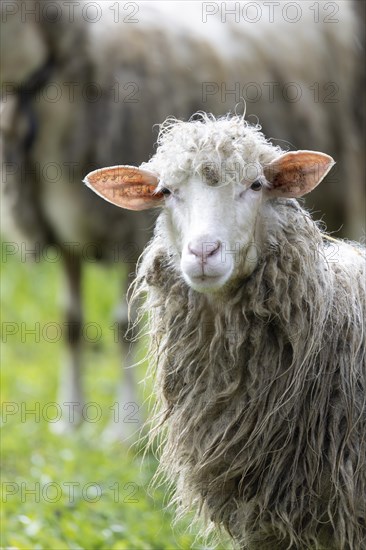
(206, 283)
(205, 277)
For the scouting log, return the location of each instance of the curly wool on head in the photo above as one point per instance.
(261, 393)
(184, 148)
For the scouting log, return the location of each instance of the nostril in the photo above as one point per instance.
(215, 248)
(204, 250)
(193, 250)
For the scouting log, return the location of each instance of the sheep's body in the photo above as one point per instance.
(261, 387)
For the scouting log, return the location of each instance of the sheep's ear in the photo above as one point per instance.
(125, 186)
(296, 173)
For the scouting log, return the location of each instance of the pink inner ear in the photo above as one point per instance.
(296, 173)
(125, 186)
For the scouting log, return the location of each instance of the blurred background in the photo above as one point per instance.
(84, 85)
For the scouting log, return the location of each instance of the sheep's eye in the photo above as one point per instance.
(166, 191)
(256, 185)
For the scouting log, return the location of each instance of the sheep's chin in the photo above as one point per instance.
(207, 284)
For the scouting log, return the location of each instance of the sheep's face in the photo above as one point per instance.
(212, 181)
(209, 222)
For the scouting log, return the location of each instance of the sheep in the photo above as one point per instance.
(161, 61)
(256, 321)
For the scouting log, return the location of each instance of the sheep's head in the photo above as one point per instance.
(213, 180)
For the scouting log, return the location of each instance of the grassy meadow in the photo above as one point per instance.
(70, 491)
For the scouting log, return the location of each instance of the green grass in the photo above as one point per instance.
(70, 491)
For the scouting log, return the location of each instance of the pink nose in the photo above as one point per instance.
(204, 250)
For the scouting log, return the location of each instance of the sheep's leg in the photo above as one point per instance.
(126, 419)
(70, 397)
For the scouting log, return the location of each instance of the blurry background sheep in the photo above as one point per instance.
(83, 85)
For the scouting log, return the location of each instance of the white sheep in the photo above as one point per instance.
(257, 336)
